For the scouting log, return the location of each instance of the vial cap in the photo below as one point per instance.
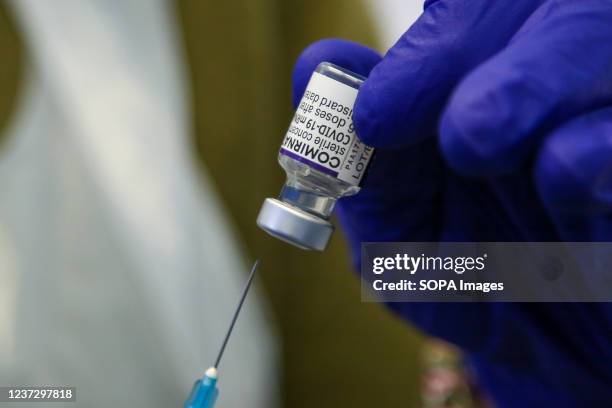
(295, 226)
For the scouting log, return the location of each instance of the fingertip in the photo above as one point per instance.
(482, 130)
(573, 170)
(346, 54)
(463, 148)
(556, 181)
(379, 116)
(366, 117)
(556, 188)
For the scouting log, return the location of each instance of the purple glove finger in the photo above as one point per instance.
(558, 66)
(401, 101)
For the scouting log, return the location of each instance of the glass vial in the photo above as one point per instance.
(323, 158)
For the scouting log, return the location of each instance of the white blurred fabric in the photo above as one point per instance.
(393, 17)
(119, 270)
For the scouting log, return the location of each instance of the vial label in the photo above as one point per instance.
(322, 135)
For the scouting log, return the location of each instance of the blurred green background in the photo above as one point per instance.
(239, 56)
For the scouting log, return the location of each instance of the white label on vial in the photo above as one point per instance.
(321, 133)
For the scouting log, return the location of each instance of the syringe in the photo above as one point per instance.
(205, 392)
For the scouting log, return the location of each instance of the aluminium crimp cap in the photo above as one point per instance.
(294, 226)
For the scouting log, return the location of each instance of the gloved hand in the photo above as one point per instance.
(491, 124)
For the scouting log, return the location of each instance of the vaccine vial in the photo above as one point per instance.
(323, 158)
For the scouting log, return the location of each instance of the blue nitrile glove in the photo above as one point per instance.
(490, 123)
